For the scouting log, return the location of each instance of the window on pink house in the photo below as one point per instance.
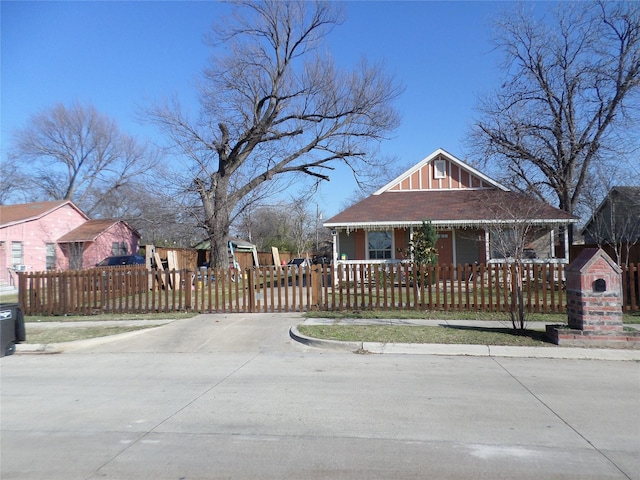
(119, 248)
(51, 256)
(17, 258)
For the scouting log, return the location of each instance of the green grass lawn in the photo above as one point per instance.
(69, 334)
(427, 334)
(110, 316)
(475, 335)
(432, 315)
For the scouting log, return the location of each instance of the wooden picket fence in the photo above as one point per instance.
(448, 288)
(134, 289)
(349, 286)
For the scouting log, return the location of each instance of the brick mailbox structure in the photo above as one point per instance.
(594, 303)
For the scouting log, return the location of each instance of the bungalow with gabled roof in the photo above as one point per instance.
(468, 209)
(57, 235)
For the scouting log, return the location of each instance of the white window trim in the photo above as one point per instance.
(393, 244)
(440, 172)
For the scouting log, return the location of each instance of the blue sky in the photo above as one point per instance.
(122, 55)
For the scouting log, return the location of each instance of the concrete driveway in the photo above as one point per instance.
(232, 396)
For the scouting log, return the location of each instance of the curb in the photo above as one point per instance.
(563, 353)
(323, 343)
(33, 348)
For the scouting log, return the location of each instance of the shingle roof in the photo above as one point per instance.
(627, 201)
(631, 195)
(12, 214)
(89, 231)
(463, 207)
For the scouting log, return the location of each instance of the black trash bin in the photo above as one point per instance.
(12, 329)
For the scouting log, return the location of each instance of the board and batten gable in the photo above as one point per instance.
(440, 171)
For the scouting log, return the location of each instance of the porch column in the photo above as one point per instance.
(411, 240)
(487, 250)
(552, 242)
(334, 253)
(566, 244)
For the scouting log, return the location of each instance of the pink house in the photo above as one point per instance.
(86, 245)
(57, 235)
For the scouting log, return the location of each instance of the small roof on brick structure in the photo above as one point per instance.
(587, 257)
(26, 212)
(450, 195)
(90, 230)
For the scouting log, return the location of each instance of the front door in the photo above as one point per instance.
(444, 245)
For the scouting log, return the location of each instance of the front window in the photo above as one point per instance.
(16, 254)
(75, 255)
(504, 243)
(51, 256)
(379, 245)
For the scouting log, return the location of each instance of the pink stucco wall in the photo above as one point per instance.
(34, 236)
(101, 248)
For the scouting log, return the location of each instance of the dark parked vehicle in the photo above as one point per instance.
(301, 263)
(12, 329)
(122, 260)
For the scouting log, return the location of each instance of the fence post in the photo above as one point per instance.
(251, 290)
(316, 288)
(22, 293)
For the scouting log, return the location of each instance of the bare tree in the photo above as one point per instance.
(273, 105)
(570, 95)
(12, 179)
(76, 153)
(159, 218)
(290, 226)
(516, 235)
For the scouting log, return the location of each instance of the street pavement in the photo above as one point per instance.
(234, 396)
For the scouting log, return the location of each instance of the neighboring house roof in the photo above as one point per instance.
(90, 230)
(627, 205)
(25, 212)
(462, 197)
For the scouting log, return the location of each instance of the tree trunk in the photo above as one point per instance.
(517, 313)
(218, 220)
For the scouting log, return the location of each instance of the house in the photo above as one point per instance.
(57, 235)
(615, 225)
(472, 213)
(616, 219)
(95, 240)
